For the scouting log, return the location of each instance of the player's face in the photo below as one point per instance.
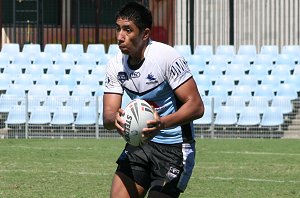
(129, 37)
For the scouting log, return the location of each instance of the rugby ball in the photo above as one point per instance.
(136, 114)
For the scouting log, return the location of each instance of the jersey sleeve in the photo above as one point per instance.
(178, 72)
(112, 85)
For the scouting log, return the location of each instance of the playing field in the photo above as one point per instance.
(65, 168)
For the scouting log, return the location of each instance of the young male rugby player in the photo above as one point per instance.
(154, 72)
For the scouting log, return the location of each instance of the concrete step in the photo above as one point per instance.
(292, 134)
(294, 128)
(296, 122)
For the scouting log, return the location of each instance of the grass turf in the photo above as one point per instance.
(54, 168)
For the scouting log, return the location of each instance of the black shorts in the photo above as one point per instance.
(160, 167)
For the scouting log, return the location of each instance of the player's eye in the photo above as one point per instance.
(128, 30)
(118, 29)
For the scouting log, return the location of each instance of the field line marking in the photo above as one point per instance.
(54, 172)
(251, 179)
(258, 153)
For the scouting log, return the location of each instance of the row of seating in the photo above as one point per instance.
(249, 117)
(62, 115)
(57, 48)
(230, 50)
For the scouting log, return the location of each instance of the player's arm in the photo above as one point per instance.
(112, 111)
(191, 109)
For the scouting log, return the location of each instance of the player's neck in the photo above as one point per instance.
(135, 63)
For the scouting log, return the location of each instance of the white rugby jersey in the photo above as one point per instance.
(162, 71)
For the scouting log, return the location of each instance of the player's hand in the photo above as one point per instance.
(119, 122)
(153, 129)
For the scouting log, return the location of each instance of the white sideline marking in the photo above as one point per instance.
(258, 153)
(251, 179)
(209, 178)
(54, 172)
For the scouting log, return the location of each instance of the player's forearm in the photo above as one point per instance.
(109, 120)
(187, 113)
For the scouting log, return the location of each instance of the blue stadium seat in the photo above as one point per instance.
(272, 50)
(10, 48)
(24, 79)
(184, 50)
(66, 60)
(196, 59)
(292, 50)
(16, 89)
(287, 59)
(273, 79)
(287, 90)
(245, 60)
(284, 103)
(249, 117)
(226, 116)
(56, 69)
(7, 101)
(86, 116)
(266, 90)
(261, 103)
(77, 102)
(13, 69)
(55, 49)
(47, 79)
(38, 90)
(207, 117)
(259, 69)
(5, 81)
(220, 60)
(226, 50)
(88, 60)
(44, 58)
(113, 49)
(34, 70)
(63, 115)
(238, 102)
(283, 71)
(236, 69)
(226, 80)
(272, 118)
(78, 71)
(206, 51)
(219, 91)
(95, 49)
(40, 115)
(82, 90)
(52, 102)
(60, 90)
(32, 49)
(21, 59)
(91, 80)
(75, 49)
(16, 115)
(250, 80)
(213, 70)
(67, 80)
(242, 90)
(249, 50)
(265, 59)
(4, 61)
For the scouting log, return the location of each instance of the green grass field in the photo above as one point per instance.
(65, 168)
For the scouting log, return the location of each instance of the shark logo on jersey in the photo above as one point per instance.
(122, 77)
(151, 78)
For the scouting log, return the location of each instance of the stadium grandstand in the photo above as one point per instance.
(244, 55)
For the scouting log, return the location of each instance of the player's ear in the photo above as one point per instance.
(147, 33)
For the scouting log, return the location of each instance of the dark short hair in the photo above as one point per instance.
(139, 14)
